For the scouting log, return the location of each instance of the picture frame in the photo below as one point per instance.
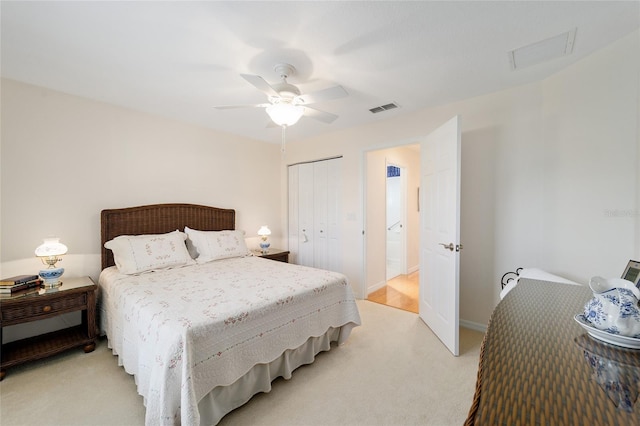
(632, 273)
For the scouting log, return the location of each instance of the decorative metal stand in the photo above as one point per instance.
(509, 276)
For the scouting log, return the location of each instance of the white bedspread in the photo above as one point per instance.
(182, 332)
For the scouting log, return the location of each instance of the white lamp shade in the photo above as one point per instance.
(51, 247)
(285, 114)
(264, 230)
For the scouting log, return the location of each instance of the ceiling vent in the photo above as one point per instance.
(386, 107)
(542, 51)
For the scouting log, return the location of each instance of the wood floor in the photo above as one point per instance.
(400, 292)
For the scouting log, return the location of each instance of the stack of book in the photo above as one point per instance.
(19, 285)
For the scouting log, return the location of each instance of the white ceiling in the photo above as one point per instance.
(179, 59)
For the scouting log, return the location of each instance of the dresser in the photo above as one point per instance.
(539, 367)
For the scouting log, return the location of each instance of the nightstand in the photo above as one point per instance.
(75, 294)
(273, 254)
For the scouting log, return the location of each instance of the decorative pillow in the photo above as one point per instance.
(134, 254)
(215, 245)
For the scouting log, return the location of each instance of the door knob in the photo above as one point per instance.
(459, 247)
(447, 246)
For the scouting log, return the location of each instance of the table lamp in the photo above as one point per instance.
(264, 233)
(49, 253)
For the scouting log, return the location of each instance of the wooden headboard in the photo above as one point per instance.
(160, 219)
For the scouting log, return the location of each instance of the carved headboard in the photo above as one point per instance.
(160, 219)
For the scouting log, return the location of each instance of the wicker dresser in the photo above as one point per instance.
(539, 367)
(75, 294)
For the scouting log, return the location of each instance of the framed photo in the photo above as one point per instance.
(632, 272)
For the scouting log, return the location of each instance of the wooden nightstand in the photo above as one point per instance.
(273, 254)
(75, 294)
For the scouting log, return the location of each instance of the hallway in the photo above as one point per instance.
(400, 292)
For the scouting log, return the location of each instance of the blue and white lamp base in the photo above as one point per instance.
(51, 277)
(264, 246)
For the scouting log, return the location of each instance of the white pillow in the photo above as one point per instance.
(215, 245)
(134, 254)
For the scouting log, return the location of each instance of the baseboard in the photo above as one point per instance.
(473, 326)
(413, 269)
(375, 287)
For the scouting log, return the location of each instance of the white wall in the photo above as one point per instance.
(591, 217)
(540, 167)
(66, 158)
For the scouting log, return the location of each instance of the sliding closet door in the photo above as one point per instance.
(314, 214)
(320, 214)
(334, 215)
(294, 202)
(306, 247)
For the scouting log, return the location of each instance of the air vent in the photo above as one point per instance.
(542, 51)
(384, 108)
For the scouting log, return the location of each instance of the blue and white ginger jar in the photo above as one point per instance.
(614, 307)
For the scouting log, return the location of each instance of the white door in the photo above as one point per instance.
(294, 207)
(306, 245)
(315, 214)
(320, 199)
(334, 215)
(440, 231)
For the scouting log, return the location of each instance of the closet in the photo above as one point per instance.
(314, 214)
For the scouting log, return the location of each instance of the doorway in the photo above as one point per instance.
(438, 231)
(396, 205)
(392, 226)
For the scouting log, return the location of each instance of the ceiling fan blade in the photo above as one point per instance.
(241, 106)
(323, 116)
(322, 95)
(260, 84)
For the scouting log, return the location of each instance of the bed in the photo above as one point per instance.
(204, 337)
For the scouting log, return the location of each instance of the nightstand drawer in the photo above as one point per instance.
(45, 307)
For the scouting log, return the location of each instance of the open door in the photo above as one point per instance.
(440, 232)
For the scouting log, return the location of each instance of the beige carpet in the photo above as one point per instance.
(392, 371)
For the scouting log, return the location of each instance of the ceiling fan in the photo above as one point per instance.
(286, 103)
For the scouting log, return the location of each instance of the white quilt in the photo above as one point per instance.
(184, 331)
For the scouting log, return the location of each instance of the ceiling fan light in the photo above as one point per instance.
(285, 114)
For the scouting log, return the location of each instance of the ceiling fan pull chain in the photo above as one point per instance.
(283, 137)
